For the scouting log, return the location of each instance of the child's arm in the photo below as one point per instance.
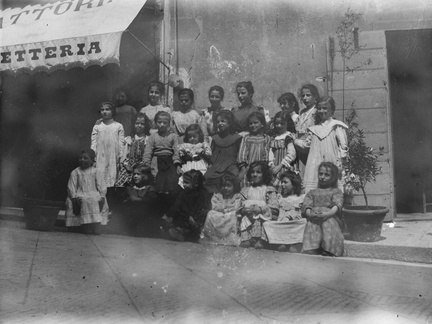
(121, 142)
(206, 153)
(100, 183)
(203, 125)
(94, 138)
(126, 149)
(201, 208)
(304, 142)
(272, 202)
(176, 157)
(242, 158)
(342, 141)
(290, 156)
(72, 185)
(307, 206)
(148, 151)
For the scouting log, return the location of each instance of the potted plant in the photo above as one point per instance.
(364, 223)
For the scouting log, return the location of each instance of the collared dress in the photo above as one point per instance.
(328, 143)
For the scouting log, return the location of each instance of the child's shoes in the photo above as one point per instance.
(282, 248)
(176, 235)
(259, 244)
(245, 244)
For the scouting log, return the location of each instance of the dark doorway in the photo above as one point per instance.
(409, 54)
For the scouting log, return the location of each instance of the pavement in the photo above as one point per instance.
(407, 239)
(62, 277)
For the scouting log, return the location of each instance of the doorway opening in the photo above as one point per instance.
(409, 54)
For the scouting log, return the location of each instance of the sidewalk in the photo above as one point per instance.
(408, 239)
(61, 277)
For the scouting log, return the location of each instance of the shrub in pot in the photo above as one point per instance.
(364, 223)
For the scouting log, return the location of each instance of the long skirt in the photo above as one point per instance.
(167, 177)
(221, 228)
(327, 236)
(90, 211)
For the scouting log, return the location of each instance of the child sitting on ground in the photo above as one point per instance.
(187, 216)
(321, 206)
(260, 205)
(138, 212)
(287, 230)
(221, 222)
(86, 205)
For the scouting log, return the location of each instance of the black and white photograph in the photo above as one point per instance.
(216, 161)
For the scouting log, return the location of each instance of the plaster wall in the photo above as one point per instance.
(276, 44)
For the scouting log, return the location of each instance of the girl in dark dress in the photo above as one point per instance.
(225, 147)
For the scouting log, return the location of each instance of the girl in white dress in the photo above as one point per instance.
(107, 140)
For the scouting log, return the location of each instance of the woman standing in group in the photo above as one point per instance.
(245, 92)
(208, 117)
(186, 115)
(156, 91)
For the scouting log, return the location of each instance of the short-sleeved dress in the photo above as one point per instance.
(108, 141)
(328, 235)
(221, 222)
(89, 186)
(224, 158)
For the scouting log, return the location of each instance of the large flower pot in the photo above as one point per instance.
(41, 215)
(364, 224)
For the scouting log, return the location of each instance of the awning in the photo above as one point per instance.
(64, 34)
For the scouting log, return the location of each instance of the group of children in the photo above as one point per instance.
(228, 176)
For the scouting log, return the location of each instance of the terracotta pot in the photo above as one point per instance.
(364, 224)
(41, 215)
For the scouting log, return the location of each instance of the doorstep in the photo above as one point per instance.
(408, 239)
